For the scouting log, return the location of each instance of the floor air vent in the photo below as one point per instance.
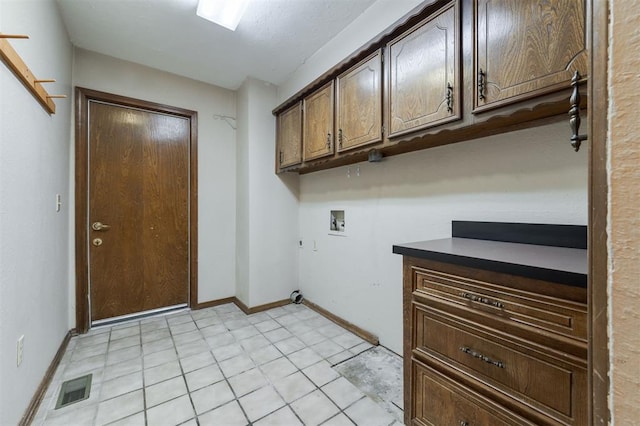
(74, 390)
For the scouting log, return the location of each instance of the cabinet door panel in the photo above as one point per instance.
(526, 48)
(318, 124)
(359, 106)
(440, 401)
(290, 137)
(517, 308)
(514, 369)
(423, 70)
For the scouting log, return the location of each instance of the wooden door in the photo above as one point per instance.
(526, 48)
(359, 104)
(290, 137)
(138, 191)
(423, 74)
(317, 135)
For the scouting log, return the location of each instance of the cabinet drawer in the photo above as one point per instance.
(514, 306)
(538, 379)
(440, 401)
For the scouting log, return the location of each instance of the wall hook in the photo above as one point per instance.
(13, 36)
(15, 63)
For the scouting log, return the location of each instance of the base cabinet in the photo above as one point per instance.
(465, 408)
(473, 358)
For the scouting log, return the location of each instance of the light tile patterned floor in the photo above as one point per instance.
(216, 367)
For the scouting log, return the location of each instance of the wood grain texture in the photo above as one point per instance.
(444, 402)
(597, 128)
(515, 308)
(359, 104)
(317, 136)
(15, 63)
(138, 184)
(34, 404)
(369, 337)
(83, 98)
(422, 63)
(526, 48)
(259, 308)
(535, 368)
(543, 380)
(289, 137)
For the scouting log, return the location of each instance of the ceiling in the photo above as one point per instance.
(272, 40)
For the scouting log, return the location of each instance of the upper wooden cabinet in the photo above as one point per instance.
(456, 70)
(289, 148)
(424, 74)
(526, 48)
(359, 104)
(317, 134)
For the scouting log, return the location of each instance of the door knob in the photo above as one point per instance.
(97, 242)
(99, 226)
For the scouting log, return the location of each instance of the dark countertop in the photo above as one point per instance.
(561, 265)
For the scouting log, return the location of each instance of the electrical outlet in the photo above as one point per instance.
(19, 350)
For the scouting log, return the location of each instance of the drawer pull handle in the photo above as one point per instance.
(463, 423)
(482, 357)
(484, 300)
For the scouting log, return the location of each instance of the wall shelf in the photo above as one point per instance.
(21, 70)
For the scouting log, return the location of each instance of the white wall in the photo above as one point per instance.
(216, 155)
(34, 167)
(527, 176)
(373, 21)
(268, 211)
(243, 238)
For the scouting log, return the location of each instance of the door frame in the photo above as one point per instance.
(597, 295)
(82, 99)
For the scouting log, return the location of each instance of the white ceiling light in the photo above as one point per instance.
(226, 13)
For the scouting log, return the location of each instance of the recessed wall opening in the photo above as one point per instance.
(336, 222)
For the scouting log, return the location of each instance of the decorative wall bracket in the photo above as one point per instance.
(20, 69)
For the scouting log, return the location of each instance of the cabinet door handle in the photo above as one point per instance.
(481, 357)
(574, 113)
(328, 141)
(449, 98)
(481, 84)
(463, 423)
(481, 299)
(340, 138)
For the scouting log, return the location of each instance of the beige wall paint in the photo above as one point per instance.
(624, 212)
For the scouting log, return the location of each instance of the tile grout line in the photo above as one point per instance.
(224, 376)
(223, 318)
(318, 388)
(144, 386)
(184, 377)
